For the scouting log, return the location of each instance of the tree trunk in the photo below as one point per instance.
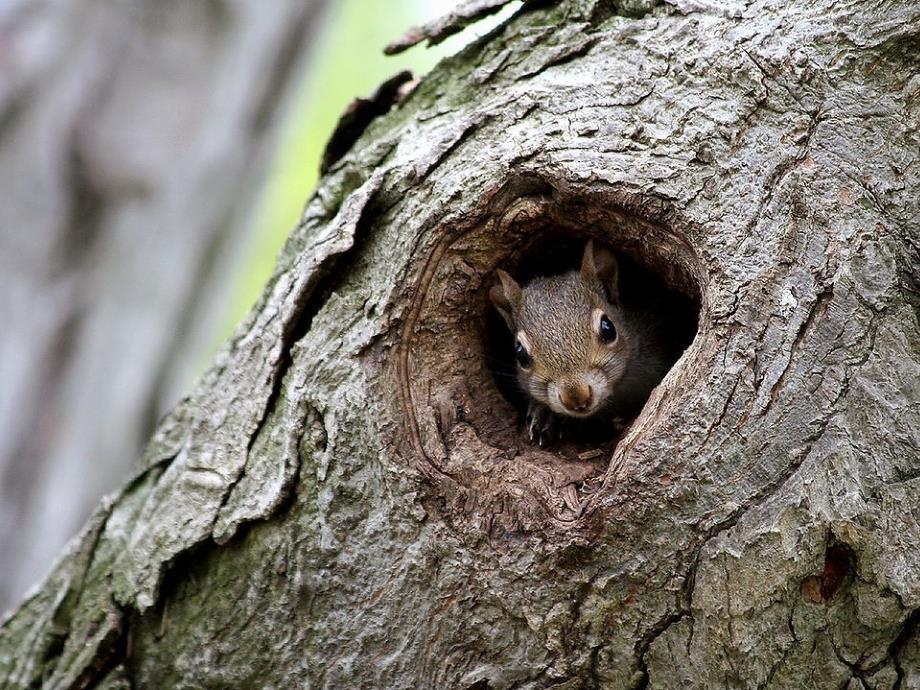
(347, 500)
(132, 136)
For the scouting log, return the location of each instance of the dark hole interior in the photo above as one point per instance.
(480, 685)
(641, 285)
(839, 564)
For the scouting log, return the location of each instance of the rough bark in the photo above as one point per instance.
(132, 136)
(347, 500)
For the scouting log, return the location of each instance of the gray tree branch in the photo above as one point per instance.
(132, 139)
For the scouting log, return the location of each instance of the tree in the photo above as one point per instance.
(131, 139)
(347, 499)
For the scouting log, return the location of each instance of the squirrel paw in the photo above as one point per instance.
(620, 425)
(540, 424)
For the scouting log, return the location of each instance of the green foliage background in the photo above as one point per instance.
(345, 62)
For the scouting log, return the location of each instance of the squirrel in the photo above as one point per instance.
(579, 351)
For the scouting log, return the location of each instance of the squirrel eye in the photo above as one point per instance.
(521, 354)
(606, 330)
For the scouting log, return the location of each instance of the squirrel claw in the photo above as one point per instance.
(620, 425)
(540, 425)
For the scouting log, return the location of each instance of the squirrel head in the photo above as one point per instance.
(571, 341)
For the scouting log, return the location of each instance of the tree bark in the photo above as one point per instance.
(347, 499)
(132, 137)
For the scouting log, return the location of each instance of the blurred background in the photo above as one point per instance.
(154, 155)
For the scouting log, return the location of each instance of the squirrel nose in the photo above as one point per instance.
(576, 398)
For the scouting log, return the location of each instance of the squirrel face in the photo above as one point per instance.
(571, 341)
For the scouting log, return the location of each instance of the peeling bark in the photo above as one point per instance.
(467, 12)
(348, 500)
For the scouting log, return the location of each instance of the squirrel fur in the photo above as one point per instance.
(579, 351)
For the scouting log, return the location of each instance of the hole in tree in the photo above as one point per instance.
(454, 369)
(649, 298)
(839, 564)
(480, 685)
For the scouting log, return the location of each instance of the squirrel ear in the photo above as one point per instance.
(602, 264)
(506, 297)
